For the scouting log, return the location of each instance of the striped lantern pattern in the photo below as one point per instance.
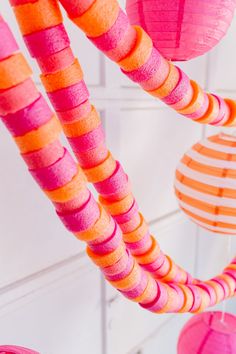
(182, 29)
(208, 333)
(205, 183)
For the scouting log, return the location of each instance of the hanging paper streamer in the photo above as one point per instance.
(182, 29)
(117, 237)
(207, 333)
(205, 183)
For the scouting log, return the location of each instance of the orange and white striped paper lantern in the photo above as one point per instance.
(205, 183)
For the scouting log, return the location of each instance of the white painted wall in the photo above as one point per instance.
(51, 297)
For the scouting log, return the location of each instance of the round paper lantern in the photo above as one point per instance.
(209, 333)
(12, 349)
(182, 29)
(205, 183)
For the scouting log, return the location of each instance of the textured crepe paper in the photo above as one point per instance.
(196, 102)
(138, 233)
(102, 171)
(159, 301)
(122, 273)
(93, 23)
(205, 183)
(172, 271)
(109, 244)
(189, 298)
(151, 254)
(182, 30)
(207, 333)
(168, 85)
(140, 247)
(21, 2)
(74, 203)
(10, 46)
(108, 259)
(84, 125)
(76, 8)
(230, 281)
(232, 112)
(69, 97)
(224, 286)
(196, 297)
(110, 39)
(44, 157)
(158, 77)
(130, 225)
(119, 206)
(223, 113)
(56, 175)
(201, 110)
(179, 91)
(174, 300)
(39, 138)
(12, 349)
(83, 218)
(28, 118)
(63, 78)
(130, 280)
(139, 54)
(76, 113)
(93, 157)
(74, 187)
(124, 46)
(147, 70)
(47, 42)
(13, 71)
(163, 269)
(114, 183)
(155, 265)
(212, 112)
(138, 292)
(40, 15)
(210, 292)
(100, 230)
(118, 266)
(89, 140)
(55, 62)
(18, 97)
(121, 218)
(219, 291)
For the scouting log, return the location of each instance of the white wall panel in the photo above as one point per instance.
(58, 313)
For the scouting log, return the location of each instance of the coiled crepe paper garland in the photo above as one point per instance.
(108, 28)
(137, 267)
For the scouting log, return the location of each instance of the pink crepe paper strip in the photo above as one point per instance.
(47, 42)
(28, 118)
(82, 218)
(56, 175)
(10, 46)
(69, 97)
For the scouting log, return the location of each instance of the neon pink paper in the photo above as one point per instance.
(208, 333)
(10, 46)
(182, 29)
(56, 175)
(28, 118)
(47, 42)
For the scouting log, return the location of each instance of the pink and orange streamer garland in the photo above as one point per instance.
(137, 267)
(108, 28)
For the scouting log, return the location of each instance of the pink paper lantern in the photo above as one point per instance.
(209, 333)
(12, 349)
(182, 29)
